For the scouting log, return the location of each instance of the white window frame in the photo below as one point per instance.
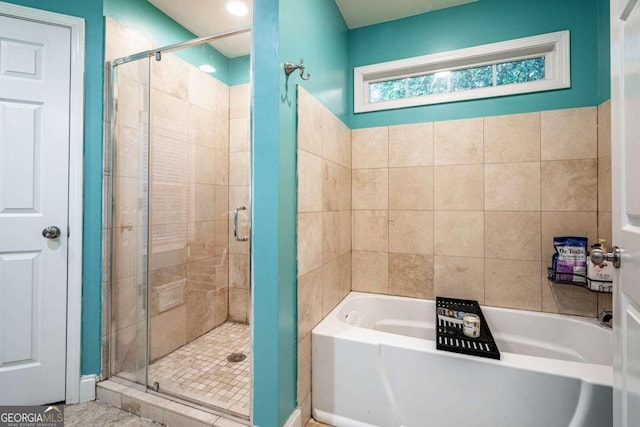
(554, 47)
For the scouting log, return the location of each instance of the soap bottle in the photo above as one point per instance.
(600, 276)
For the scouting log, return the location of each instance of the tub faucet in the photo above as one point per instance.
(606, 318)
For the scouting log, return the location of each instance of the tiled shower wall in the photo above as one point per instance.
(468, 208)
(324, 226)
(239, 161)
(199, 172)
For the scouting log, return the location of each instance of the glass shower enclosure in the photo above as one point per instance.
(178, 142)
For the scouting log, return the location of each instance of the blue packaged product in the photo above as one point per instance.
(570, 259)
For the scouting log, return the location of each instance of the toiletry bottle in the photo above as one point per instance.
(600, 276)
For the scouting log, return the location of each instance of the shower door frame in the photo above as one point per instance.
(110, 166)
(110, 208)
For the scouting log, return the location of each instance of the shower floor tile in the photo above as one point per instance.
(200, 371)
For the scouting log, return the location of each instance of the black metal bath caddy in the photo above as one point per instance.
(449, 335)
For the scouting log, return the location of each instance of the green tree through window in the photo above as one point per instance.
(527, 70)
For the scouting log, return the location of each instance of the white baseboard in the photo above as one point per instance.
(295, 420)
(88, 388)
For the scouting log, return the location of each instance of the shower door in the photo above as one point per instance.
(129, 169)
(180, 293)
(198, 256)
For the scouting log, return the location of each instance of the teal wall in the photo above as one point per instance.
(284, 30)
(315, 30)
(163, 31)
(273, 224)
(239, 70)
(482, 22)
(91, 11)
(604, 54)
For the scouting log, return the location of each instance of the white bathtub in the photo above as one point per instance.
(555, 371)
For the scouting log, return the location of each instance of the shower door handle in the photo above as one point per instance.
(235, 224)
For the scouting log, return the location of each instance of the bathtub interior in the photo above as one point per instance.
(515, 331)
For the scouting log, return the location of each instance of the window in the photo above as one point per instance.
(531, 64)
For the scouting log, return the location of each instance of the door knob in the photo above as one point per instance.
(51, 232)
(598, 256)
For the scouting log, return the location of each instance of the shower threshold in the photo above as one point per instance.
(161, 408)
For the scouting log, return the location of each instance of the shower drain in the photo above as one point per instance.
(236, 357)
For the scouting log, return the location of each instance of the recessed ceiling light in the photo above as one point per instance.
(207, 68)
(237, 8)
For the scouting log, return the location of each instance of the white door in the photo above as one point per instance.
(625, 127)
(34, 172)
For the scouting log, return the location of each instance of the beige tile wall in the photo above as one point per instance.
(572, 300)
(468, 208)
(393, 209)
(324, 225)
(239, 300)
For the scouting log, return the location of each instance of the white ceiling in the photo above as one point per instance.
(206, 17)
(359, 13)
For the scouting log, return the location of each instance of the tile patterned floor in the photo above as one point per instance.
(200, 370)
(100, 414)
